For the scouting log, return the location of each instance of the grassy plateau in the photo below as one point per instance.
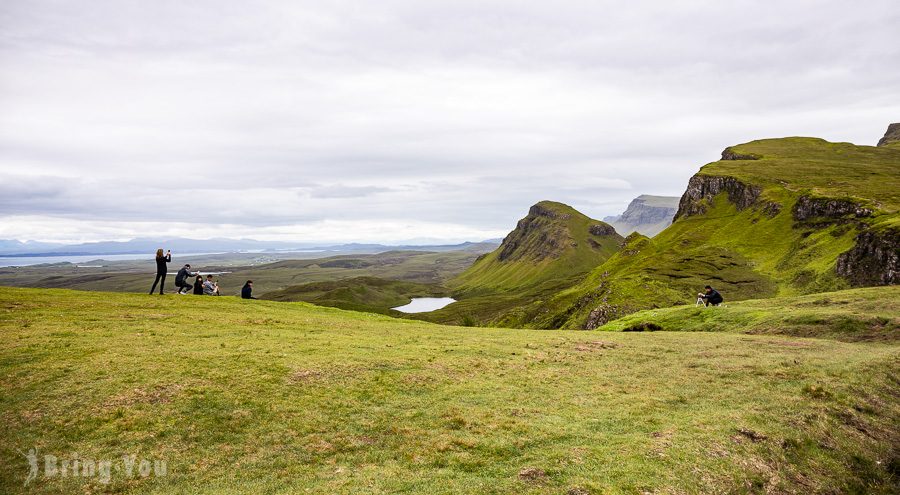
(265, 397)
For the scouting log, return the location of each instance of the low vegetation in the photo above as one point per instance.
(855, 315)
(370, 294)
(256, 396)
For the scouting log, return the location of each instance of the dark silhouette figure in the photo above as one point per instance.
(711, 296)
(198, 286)
(162, 268)
(247, 290)
(181, 277)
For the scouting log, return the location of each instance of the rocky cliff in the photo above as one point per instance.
(891, 136)
(646, 214)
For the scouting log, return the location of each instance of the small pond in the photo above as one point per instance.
(425, 304)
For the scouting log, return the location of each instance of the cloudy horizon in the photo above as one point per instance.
(350, 122)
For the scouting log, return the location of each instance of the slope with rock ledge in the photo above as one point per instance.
(551, 249)
(774, 217)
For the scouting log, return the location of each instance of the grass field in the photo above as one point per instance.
(264, 397)
(856, 315)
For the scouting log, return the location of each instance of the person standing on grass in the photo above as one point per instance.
(181, 277)
(247, 290)
(162, 268)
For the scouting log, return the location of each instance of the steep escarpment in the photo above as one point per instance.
(874, 259)
(772, 217)
(891, 136)
(702, 189)
(551, 249)
(646, 214)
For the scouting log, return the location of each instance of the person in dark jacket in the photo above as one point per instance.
(247, 290)
(181, 277)
(198, 286)
(711, 296)
(162, 268)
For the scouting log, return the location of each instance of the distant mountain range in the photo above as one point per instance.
(14, 248)
(646, 214)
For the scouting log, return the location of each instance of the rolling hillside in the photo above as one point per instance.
(257, 396)
(550, 249)
(775, 217)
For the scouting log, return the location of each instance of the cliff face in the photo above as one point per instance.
(891, 136)
(874, 260)
(646, 214)
(702, 189)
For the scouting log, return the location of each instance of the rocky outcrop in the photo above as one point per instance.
(891, 136)
(875, 260)
(703, 188)
(730, 154)
(602, 230)
(541, 235)
(809, 209)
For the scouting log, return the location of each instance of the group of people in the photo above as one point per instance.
(183, 285)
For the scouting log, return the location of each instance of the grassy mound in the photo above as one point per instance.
(256, 396)
(871, 314)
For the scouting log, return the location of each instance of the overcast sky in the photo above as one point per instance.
(406, 120)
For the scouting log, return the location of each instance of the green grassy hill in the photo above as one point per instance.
(854, 315)
(263, 397)
(550, 249)
(370, 294)
(775, 217)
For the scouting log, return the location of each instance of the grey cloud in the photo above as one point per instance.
(291, 113)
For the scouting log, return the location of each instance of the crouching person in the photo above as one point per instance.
(210, 288)
(710, 296)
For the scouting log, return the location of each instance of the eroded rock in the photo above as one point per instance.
(703, 188)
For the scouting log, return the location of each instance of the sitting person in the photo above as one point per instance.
(198, 285)
(181, 277)
(711, 296)
(210, 288)
(247, 290)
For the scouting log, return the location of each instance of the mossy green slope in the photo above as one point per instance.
(264, 397)
(775, 217)
(550, 249)
(854, 315)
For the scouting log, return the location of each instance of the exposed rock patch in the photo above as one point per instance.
(875, 260)
(729, 154)
(892, 135)
(808, 208)
(602, 230)
(703, 188)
